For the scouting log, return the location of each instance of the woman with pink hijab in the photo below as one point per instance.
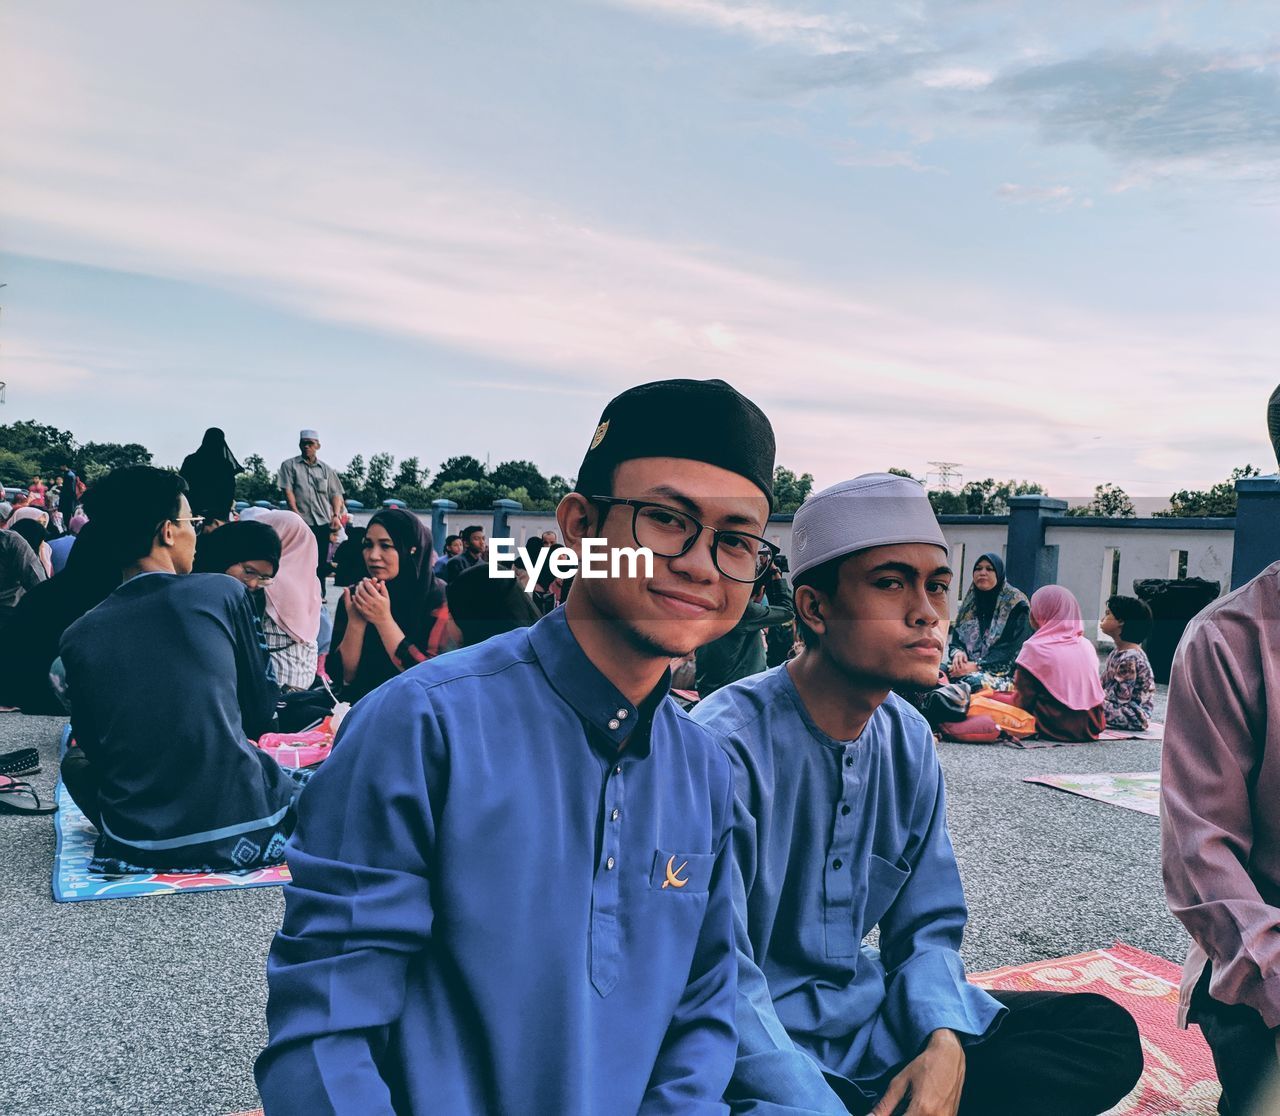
(38, 522)
(1056, 677)
(291, 622)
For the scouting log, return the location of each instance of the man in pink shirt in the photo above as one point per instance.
(1220, 831)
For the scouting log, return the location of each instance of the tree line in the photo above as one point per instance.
(29, 449)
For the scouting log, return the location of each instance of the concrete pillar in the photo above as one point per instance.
(501, 509)
(1028, 562)
(440, 510)
(1257, 542)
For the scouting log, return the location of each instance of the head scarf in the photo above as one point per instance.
(983, 615)
(33, 531)
(221, 549)
(293, 599)
(77, 523)
(214, 450)
(210, 474)
(27, 513)
(482, 606)
(1057, 653)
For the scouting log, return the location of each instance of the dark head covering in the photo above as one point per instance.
(210, 474)
(482, 606)
(415, 596)
(698, 420)
(32, 531)
(246, 540)
(985, 600)
(45, 611)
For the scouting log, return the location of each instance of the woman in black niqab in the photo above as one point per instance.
(417, 607)
(210, 474)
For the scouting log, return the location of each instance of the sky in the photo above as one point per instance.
(1036, 240)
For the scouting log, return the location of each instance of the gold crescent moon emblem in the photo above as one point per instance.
(673, 875)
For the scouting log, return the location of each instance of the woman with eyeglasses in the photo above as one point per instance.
(395, 617)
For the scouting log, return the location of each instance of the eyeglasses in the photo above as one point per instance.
(670, 534)
(248, 575)
(196, 521)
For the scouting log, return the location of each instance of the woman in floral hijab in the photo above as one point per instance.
(990, 628)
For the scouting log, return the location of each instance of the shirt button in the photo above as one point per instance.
(622, 714)
(610, 863)
(615, 815)
(615, 723)
(846, 810)
(848, 761)
(837, 864)
(618, 770)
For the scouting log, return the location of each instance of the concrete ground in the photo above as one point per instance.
(155, 1005)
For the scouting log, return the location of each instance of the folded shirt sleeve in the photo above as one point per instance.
(925, 985)
(1214, 738)
(358, 909)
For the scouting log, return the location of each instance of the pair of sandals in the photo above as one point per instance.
(16, 795)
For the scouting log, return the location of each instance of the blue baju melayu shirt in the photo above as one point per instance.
(833, 838)
(494, 910)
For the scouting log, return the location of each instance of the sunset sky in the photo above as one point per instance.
(1037, 240)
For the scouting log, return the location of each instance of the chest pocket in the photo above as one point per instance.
(884, 881)
(681, 872)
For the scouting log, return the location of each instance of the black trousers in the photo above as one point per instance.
(1054, 1054)
(1243, 1047)
(321, 532)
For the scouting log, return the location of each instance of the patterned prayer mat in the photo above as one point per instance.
(1154, 732)
(1133, 790)
(74, 883)
(1178, 1076)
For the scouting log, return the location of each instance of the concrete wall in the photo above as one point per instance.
(1086, 555)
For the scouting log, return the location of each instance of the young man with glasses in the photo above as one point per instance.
(842, 829)
(510, 888)
(313, 490)
(168, 679)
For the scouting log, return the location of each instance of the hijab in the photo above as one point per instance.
(210, 474)
(77, 523)
(44, 613)
(32, 530)
(482, 606)
(292, 598)
(984, 614)
(214, 451)
(244, 541)
(26, 514)
(415, 596)
(1057, 653)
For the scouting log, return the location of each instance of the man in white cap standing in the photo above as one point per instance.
(314, 490)
(841, 828)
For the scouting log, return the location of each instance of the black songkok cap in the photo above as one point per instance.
(699, 420)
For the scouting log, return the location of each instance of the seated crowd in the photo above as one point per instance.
(692, 893)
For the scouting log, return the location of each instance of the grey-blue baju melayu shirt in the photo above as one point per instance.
(494, 910)
(833, 838)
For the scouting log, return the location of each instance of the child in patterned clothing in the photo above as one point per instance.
(1127, 680)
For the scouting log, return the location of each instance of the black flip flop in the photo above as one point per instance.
(19, 798)
(25, 761)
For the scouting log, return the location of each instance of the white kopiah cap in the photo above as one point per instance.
(308, 436)
(875, 509)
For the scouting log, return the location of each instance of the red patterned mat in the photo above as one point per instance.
(1179, 1076)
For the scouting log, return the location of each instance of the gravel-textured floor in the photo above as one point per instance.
(155, 1005)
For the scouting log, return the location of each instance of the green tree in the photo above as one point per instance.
(895, 471)
(409, 475)
(789, 490)
(474, 495)
(257, 482)
(39, 448)
(96, 459)
(1220, 500)
(353, 479)
(378, 481)
(522, 474)
(414, 495)
(465, 467)
(557, 489)
(1110, 501)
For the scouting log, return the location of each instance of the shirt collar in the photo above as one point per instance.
(577, 679)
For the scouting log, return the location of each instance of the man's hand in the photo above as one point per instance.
(930, 1084)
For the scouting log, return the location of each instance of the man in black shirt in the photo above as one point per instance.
(168, 678)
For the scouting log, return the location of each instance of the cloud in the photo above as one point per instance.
(1043, 197)
(1162, 109)
(765, 24)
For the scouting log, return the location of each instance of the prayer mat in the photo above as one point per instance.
(1153, 731)
(1178, 1074)
(1133, 790)
(74, 883)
